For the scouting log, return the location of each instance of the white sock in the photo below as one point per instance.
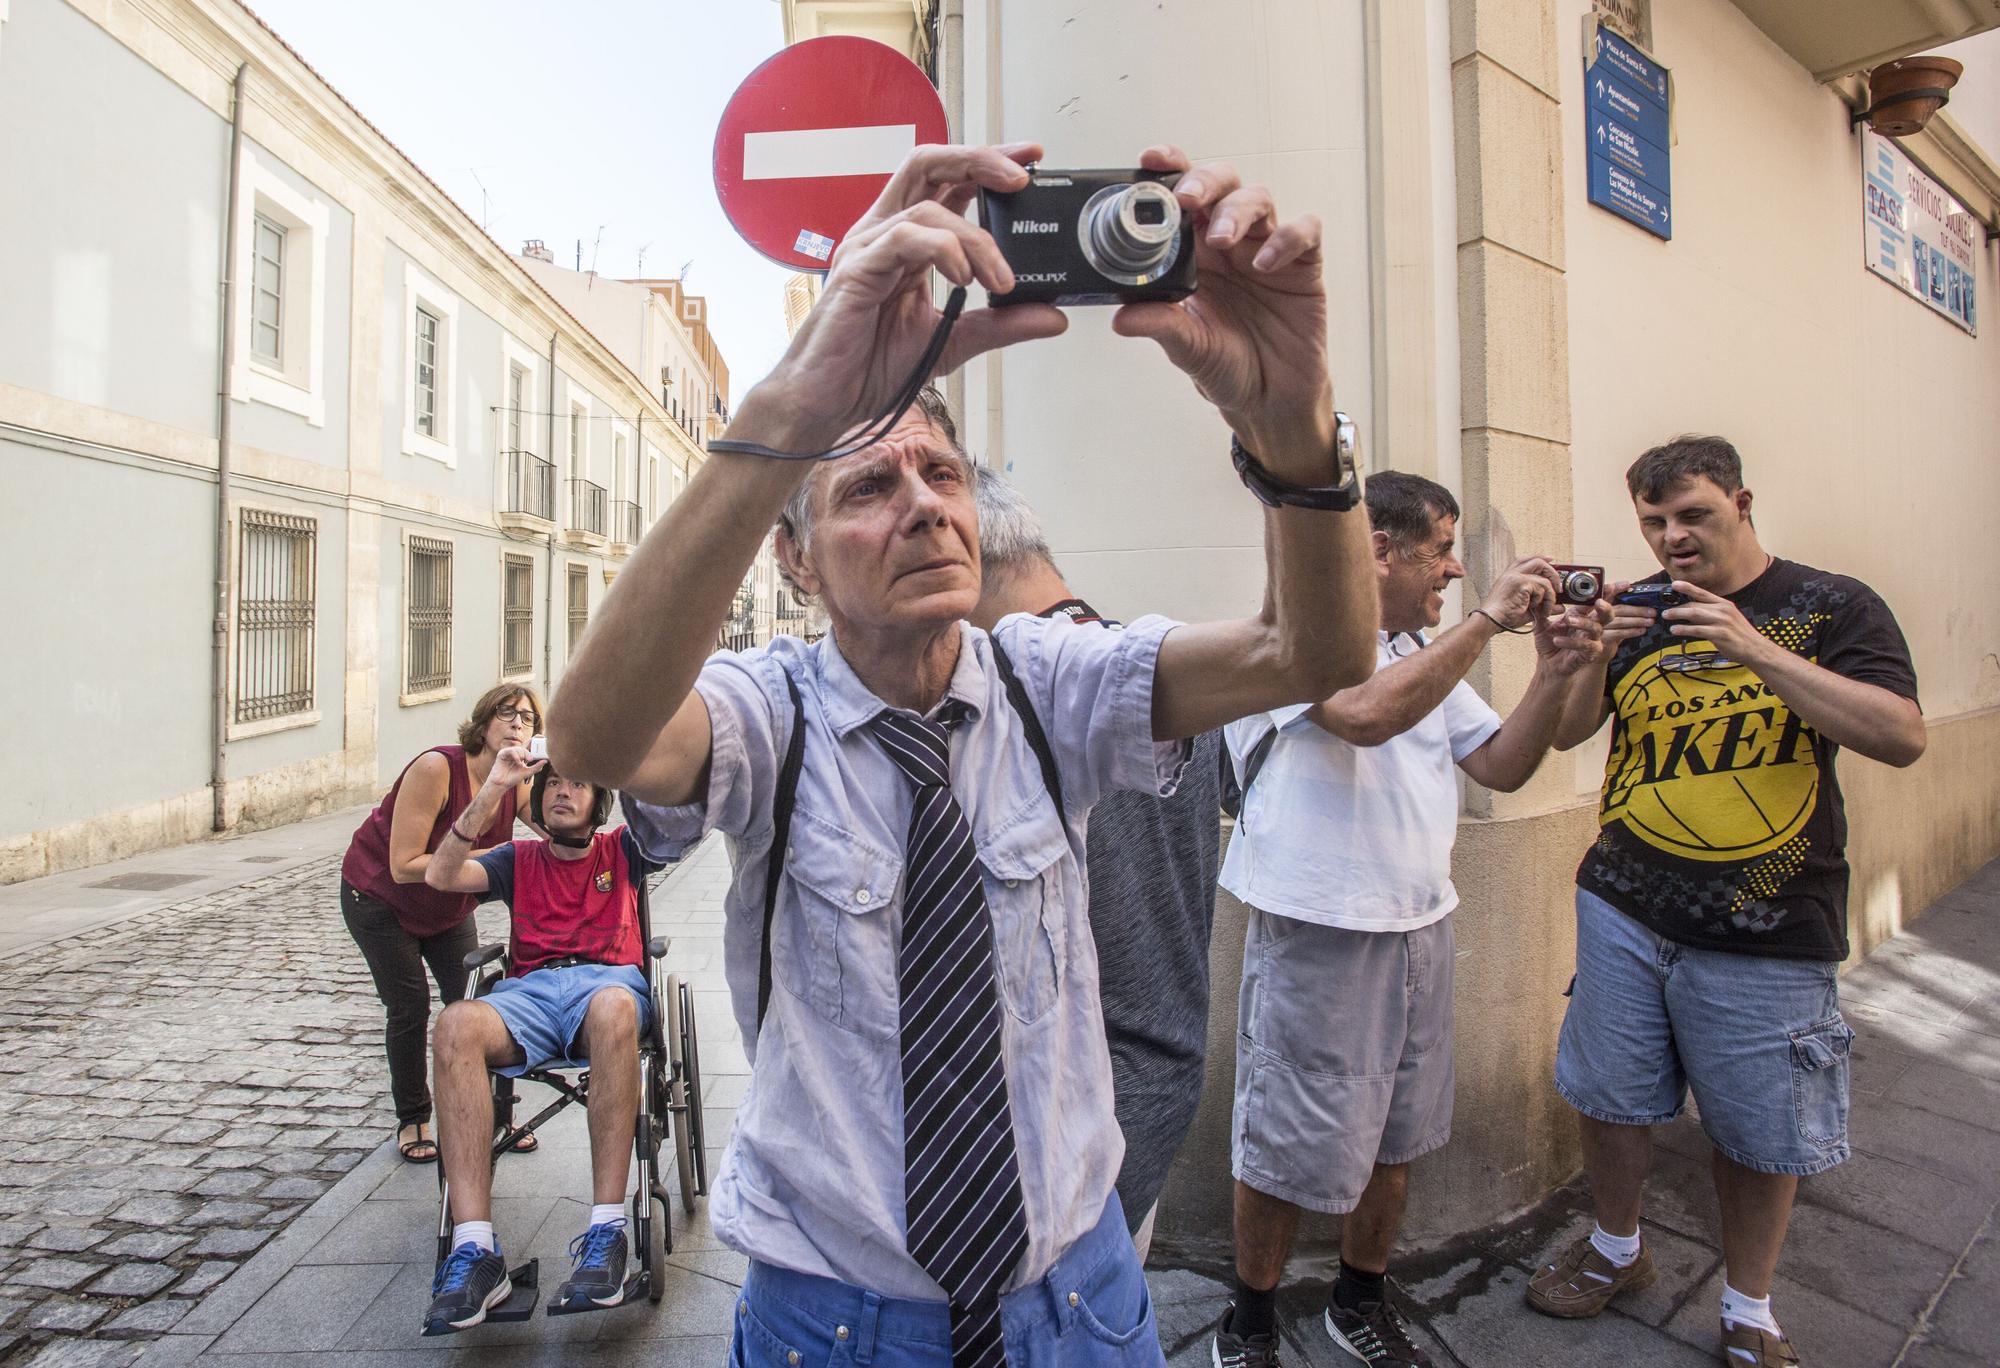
(608, 1213)
(1738, 1309)
(1620, 1249)
(474, 1232)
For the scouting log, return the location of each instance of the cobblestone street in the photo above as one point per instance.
(173, 1090)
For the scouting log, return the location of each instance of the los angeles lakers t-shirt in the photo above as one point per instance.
(1721, 824)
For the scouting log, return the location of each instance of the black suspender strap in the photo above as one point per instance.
(787, 796)
(781, 835)
(1252, 762)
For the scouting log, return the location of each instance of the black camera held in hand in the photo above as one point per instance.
(1578, 584)
(1092, 237)
(1654, 596)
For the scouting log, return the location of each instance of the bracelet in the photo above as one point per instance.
(461, 835)
(1510, 631)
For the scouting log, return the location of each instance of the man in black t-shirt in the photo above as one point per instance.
(1712, 909)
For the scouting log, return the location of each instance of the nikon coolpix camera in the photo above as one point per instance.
(1092, 237)
(1578, 583)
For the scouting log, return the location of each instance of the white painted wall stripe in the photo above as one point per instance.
(870, 151)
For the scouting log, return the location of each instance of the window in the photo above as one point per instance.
(282, 239)
(427, 596)
(274, 615)
(267, 293)
(430, 372)
(579, 455)
(428, 327)
(579, 604)
(517, 400)
(517, 615)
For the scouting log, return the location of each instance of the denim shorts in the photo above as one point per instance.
(1760, 1040)
(544, 1008)
(1343, 1056)
(1090, 1310)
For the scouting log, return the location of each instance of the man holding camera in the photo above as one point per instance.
(1342, 853)
(1711, 913)
(923, 1169)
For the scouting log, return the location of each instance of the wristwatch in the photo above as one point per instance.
(1338, 497)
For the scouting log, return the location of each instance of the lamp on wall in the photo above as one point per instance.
(1903, 94)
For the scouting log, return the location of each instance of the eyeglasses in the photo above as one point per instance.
(512, 714)
(1694, 662)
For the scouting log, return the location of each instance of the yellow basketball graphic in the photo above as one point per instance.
(1708, 763)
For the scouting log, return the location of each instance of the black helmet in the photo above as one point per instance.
(600, 807)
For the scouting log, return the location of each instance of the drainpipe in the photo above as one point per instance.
(218, 771)
(555, 510)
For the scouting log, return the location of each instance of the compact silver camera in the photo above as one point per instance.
(538, 748)
(1092, 237)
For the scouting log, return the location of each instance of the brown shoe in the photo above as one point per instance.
(1749, 1346)
(1582, 1282)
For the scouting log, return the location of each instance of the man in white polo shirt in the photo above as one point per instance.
(1343, 855)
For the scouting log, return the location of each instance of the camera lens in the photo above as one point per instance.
(1580, 586)
(1131, 233)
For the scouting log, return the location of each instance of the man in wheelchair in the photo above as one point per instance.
(575, 989)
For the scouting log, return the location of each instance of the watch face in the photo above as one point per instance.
(1343, 445)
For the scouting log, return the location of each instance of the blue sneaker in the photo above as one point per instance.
(598, 1272)
(469, 1283)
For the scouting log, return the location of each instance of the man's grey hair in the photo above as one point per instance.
(1010, 535)
(796, 521)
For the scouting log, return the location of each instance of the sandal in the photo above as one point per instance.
(527, 1144)
(420, 1149)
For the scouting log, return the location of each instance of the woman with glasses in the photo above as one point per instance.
(400, 923)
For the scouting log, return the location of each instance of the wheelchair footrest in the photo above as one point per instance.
(519, 1306)
(634, 1289)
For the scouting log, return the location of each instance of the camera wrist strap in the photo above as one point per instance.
(883, 422)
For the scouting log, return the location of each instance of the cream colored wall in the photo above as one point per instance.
(1127, 465)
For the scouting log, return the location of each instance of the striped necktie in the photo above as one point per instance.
(962, 1182)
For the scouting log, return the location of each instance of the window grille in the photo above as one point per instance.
(517, 616)
(428, 659)
(267, 292)
(274, 615)
(579, 604)
(429, 326)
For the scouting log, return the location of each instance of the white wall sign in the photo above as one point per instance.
(1633, 18)
(1917, 235)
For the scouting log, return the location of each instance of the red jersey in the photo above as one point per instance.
(586, 907)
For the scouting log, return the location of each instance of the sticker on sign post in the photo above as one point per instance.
(812, 136)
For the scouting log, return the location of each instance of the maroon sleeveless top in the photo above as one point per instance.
(422, 910)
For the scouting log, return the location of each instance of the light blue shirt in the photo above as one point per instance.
(812, 1179)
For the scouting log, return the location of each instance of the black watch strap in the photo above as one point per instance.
(1277, 493)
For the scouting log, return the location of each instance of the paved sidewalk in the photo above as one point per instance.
(1894, 1258)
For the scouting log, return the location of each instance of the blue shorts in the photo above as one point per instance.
(1090, 1310)
(1759, 1039)
(544, 1008)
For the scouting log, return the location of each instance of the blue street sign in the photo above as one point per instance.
(1626, 132)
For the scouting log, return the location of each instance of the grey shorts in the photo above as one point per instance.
(1343, 1056)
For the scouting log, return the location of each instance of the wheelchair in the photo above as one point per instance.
(670, 1105)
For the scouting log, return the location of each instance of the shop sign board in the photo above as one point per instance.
(1627, 132)
(1917, 236)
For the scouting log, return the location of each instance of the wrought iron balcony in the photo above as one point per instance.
(587, 507)
(627, 522)
(531, 486)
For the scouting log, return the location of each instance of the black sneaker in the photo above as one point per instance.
(469, 1283)
(597, 1274)
(1374, 1333)
(1230, 1350)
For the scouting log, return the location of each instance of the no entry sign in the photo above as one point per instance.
(808, 141)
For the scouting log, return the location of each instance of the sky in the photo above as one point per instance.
(587, 123)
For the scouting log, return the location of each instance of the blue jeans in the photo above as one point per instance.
(1091, 1308)
(1760, 1040)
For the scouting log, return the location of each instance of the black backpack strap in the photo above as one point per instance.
(1017, 694)
(781, 835)
(1252, 762)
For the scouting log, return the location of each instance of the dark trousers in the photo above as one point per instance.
(397, 959)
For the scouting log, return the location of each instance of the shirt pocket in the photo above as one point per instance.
(1023, 883)
(834, 948)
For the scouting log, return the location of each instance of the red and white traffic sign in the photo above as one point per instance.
(809, 139)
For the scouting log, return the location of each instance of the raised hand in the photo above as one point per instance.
(512, 764)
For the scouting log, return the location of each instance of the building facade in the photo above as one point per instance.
(434, 468)
(1494, 328)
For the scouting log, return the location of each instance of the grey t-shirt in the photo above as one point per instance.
(1152, 867)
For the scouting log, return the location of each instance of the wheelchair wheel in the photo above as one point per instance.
(697, 1115)
(682, 1101)
(649, 1217)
